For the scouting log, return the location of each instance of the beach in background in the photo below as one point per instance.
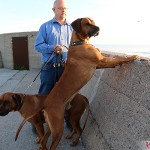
(141, 50)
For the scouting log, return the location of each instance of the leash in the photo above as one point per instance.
(38, 73)
(41, 69)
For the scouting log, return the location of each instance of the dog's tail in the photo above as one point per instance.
(24, 121)
(88, 110)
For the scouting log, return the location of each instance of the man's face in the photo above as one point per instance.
(60, 10)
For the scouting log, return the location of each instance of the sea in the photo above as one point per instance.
(141, 50)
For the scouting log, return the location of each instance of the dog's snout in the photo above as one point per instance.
(3, 113)
(97, 28)
(94, 32)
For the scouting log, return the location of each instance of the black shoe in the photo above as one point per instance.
(33, 129)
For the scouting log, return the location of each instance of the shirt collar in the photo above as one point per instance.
(55, 21)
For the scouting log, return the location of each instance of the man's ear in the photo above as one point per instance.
(76, 25)
(53, 9)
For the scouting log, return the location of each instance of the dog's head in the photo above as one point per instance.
(85, 27)
(9, 102)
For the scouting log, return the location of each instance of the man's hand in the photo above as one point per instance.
(58, 49)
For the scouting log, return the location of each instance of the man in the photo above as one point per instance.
(51, 40)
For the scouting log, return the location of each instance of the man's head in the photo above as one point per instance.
(59, 9)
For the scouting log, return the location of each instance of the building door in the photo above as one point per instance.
(20, 53)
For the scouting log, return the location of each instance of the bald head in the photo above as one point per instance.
(59, 9)
(58, 2)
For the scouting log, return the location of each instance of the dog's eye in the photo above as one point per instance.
(87, 24)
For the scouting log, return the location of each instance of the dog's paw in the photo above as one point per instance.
(68, 136)
(74, 143)
(37, 140)
(41, 148)
(135, 57)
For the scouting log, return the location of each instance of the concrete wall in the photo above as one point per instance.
(119, 108)
(7, 52)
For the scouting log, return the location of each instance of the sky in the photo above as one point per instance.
(120, 21)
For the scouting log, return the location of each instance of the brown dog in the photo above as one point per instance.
(74, 111)
(25, 104)
(82, 61)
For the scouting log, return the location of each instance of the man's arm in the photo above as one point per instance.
(40, 45)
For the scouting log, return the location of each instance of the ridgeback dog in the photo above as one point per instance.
(74, 111)
(26, 104)
(82, 61)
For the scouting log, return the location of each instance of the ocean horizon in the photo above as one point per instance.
(141, 50)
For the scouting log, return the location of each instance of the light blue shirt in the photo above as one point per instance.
(50, 34)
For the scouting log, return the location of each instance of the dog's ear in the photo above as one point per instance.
(16, 97)
(76, 25)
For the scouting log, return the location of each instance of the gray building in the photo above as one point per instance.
(17, 51)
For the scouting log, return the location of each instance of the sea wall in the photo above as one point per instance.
(119, 108)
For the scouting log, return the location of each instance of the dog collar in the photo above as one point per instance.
(78, 43)
(18, 101)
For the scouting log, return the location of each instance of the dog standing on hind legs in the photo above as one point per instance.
(82, 61)
(74, 111)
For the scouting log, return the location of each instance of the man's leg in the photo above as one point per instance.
(48, 80)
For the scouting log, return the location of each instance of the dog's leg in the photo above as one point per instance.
(44, 139)
(107, 62)
(57, 132)
(55, 119)
(77, 128)
(69, 136)
(40, 130)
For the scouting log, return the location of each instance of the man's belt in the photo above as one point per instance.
(54, 64)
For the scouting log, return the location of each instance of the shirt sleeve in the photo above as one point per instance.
(40, 44)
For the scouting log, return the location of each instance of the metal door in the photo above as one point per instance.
(20, 53)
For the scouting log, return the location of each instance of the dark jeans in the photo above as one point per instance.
(49, 76)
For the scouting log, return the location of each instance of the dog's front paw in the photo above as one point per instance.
(135, 57)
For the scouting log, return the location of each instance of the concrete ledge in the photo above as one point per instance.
(120, 108)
